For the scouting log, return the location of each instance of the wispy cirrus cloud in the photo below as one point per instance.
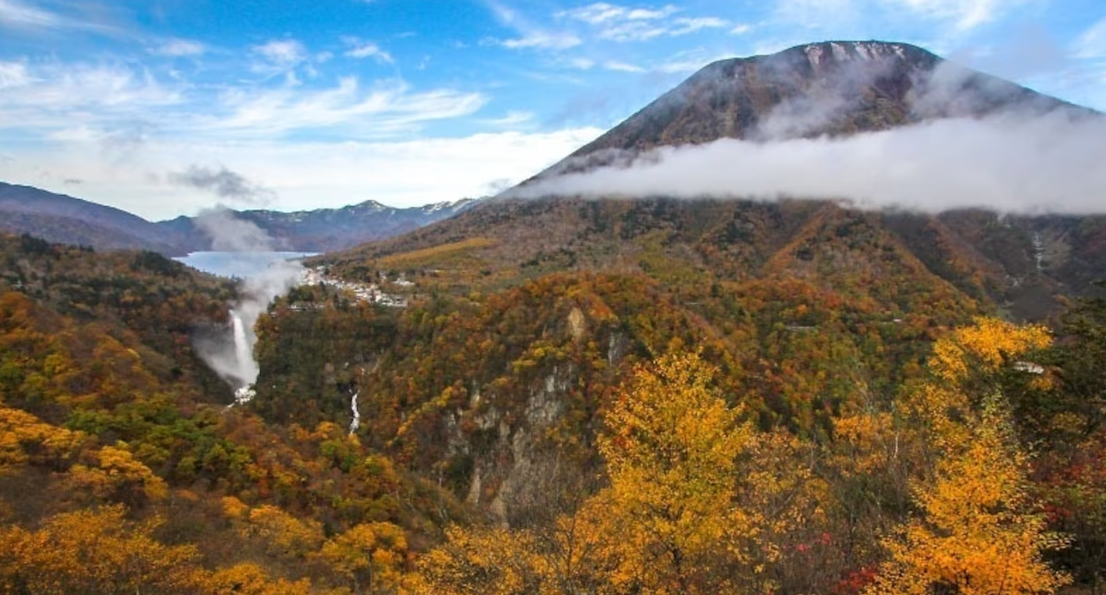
(279, 55)
(623, 23)
(30, 17)
(513, 119)
(622, 66)
(54, 96)
(91, 102)
(360, 48)
(602, 13)
(178, 48)
(15, 13)
(385, 109)
(611, 65)
(530, 35)
(957, 16)
(543, 40)
(964, 14)
(1091, 44)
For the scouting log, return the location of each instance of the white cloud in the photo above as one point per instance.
(836, 15)
(13, 74)
(312, 175)
(19, 14)
(683, 26)
(51, 96)
(1091, 44)
(741, 29)
(611, 65)
(512, 119)
(633, 31)
(531, 36)
(179, 48)
(966, 14)
(601, 13)
(384, 110)
(622, 66)
(1013, 163)
(366, 49)
(543, 40)
(79, 101)
(620, 23)
(282, 53)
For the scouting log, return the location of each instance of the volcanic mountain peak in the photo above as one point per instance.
(833, 88)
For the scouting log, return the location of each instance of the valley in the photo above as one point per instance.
(572, 387)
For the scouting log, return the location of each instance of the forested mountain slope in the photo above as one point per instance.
(564, 395)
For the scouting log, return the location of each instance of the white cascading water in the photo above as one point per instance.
(356, 421)
(247, 369)
(242, 350)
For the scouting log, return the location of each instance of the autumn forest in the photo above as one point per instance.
(604, 415)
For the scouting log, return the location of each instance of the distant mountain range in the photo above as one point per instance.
(69, 220)
(323, 230)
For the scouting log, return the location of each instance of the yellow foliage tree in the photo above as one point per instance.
(963, 369)
(977, 532)
(577, 553)
(25, 439)
(284, 535)
(93, 552)
(251, 579)
(671, 453)
(482, 561)
(371, 554)
(119, 476)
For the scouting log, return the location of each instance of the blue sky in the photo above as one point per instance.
(164, 107)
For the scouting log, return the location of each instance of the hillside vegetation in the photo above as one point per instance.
(590, 431)
(585, 396)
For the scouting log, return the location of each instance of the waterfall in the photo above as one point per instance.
(243, 350)
(1038, 250)
(245, 368)
(356, 422)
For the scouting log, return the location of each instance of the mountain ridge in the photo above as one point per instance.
(70, 220)
(323, 230)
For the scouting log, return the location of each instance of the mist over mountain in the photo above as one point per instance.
(882, 125)
(834, 88)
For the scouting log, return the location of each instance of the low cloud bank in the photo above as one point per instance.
(1052, 163)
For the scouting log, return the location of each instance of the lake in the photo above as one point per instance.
(237, 264)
